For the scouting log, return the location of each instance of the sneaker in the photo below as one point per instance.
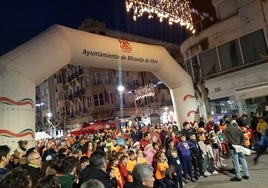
(235, 179)
(246, 177)
(193, 180)
(207, 173)
(222, 164)
(215, 172)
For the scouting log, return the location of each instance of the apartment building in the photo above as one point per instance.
(233, 51)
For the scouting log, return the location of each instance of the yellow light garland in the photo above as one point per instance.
(175, 11)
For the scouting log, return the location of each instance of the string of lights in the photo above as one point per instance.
(145, 91)
(175, 11)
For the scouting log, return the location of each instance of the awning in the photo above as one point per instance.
(41, 135)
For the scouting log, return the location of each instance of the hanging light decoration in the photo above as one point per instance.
(175, 11)
(145, 91)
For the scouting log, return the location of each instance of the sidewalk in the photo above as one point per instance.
(258, 176)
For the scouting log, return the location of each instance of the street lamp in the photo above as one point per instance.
(52, 125)
(120, 88)
(49, 115)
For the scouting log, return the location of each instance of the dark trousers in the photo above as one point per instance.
(260, 151)
(177, 179)
(197, 165)
(187, 166)
(164, 183)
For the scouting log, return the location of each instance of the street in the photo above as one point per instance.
(258, 176)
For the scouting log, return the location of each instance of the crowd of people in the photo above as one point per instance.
(157, 155)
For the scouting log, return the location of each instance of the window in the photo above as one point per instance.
(96, 78)
(108, 77)
(109, 99)
(163, 98)
(188, 68)
(185, 66)
(42, 93)
(209, 60)
(87, 81)
(46, 91)
(135, 83)
(89, 100)
(252, 46)
(230, 55)
(195, 67)
(98, 99)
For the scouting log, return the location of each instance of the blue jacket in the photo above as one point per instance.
(3, 172)
(183, 150)
(264, 138)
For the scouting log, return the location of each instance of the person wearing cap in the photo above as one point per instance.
(136, 146)
(149, 153)
(234, 136)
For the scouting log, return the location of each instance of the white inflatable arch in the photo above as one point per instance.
(33, 62)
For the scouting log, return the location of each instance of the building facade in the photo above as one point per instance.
(233, 51)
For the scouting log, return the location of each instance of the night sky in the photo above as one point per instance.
(21, 20)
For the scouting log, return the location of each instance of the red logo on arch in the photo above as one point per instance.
(125, 46)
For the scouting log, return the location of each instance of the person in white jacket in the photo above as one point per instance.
(211, 159)
(204, 154)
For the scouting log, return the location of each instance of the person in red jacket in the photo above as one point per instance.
(122, 165)
(145, 140)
